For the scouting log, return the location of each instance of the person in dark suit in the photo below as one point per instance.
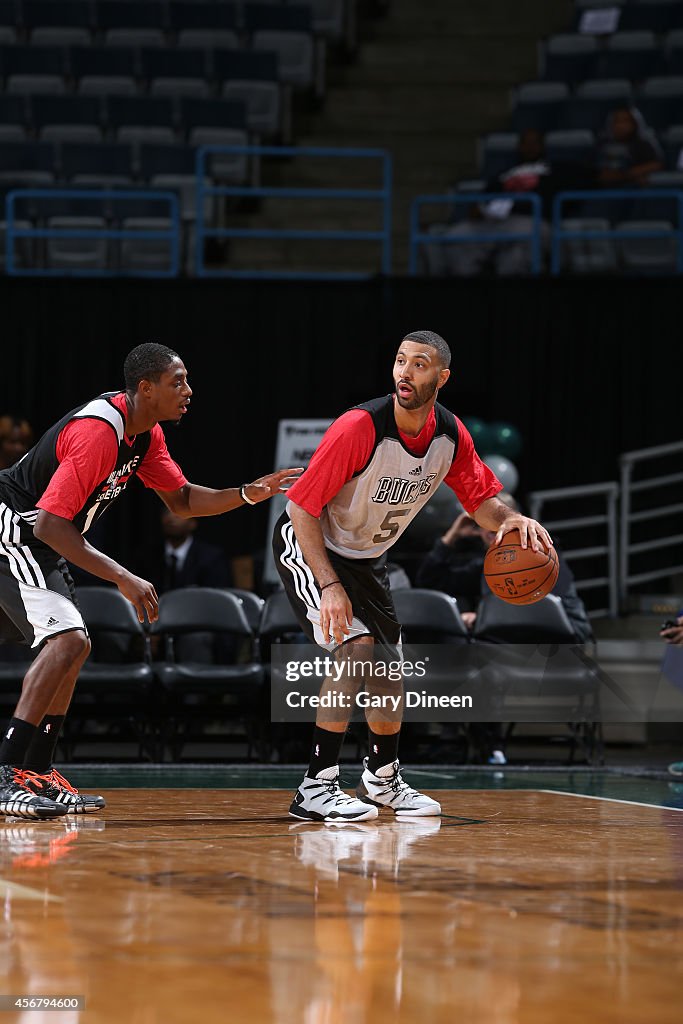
(179, 559)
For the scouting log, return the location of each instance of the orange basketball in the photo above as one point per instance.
(520, 575)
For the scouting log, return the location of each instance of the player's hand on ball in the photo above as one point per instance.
(273, 483)
(530, 532)
(336, 613)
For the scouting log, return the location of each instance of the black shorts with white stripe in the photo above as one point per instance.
(365, 580)
(37, 594)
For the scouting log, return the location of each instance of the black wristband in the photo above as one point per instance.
(244, 497)
(329, 585)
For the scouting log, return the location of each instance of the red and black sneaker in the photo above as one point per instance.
(55, 787)
(18, 800)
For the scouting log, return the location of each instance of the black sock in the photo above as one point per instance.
(42, 749)
(325, 750)
(16, 741)
(383, 749)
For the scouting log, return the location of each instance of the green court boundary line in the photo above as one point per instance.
(608, 799)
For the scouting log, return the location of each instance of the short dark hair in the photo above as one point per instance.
(146, 362)
(434, 341)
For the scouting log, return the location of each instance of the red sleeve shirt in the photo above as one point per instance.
(343, 451)
(347, 446)
(87, 451)
(470, 478)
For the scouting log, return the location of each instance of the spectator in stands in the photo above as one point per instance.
(628, 152)
(179, 559)
(532, 172)
(16, 437)
(673, 666)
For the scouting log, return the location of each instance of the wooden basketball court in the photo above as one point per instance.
(516, 907)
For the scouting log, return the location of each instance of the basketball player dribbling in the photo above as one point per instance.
(375, 468)
(48, 501)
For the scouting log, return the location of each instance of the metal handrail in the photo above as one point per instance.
(628, 463)
(417, 237)
(560, 234)
(382, 195)
(13, 232)
(610, 491)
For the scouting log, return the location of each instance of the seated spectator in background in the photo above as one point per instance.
(532, 172)
(16, 437)
(628, 152)
(179, 559)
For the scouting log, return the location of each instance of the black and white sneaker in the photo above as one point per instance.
(387, 788)
(55, 787)
(18, 801)
(321, 799)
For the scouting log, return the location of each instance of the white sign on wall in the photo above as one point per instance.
(296, 442)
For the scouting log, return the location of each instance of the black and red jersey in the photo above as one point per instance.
(83, 463)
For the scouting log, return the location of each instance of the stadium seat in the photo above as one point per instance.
(660, 101)
(167, 63)
(103, 159)
(593, 101)
(263, 104)
(47, 13)
(588, 255)
(156, 159)
(208, 39)
(130, 14)
(28, 84)
(139, 111)
(12, 132)
(211, 113)
(673, 146)
(103, 60)
(75, 254)
(539, 105)
(166, 86)
(327, 18)
(27, 158)
(497, 153)
(107, 85)
(64, 110)
(272, 16)
(13, 109)
(43, 36)
(569, 57)
(32, 60)
(227, 168)
(202, 15)
(91, 133)
(146, 255)
(429, 617)
(674, 52)
(133, 37)
(656, 15)
(208, 673)
(575, 145)
(632, 55)
(526, 675)
(648, 255)
(116, 684)
(295, 54)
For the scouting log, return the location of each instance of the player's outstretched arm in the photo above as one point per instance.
(192, 500)
(493, 514)
(63, 537)
(336, 613)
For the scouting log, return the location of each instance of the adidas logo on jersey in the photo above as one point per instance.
(416, 471)
(52, 622)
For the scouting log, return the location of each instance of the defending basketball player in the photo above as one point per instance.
(375, 468)
(48, 501)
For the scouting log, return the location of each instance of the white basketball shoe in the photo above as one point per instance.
(321, 799)
(387, 788)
